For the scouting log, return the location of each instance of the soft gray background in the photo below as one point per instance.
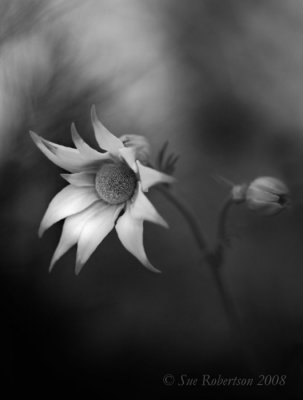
(223, 81)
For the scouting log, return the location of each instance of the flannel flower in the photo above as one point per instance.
(106, 190)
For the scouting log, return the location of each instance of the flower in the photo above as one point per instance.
(265, 195)
(105, 190)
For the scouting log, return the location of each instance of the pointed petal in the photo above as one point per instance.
(142, 208)
(80, 178)
(94, 231)
(69, 201)
(65, 157)
(130, 233)
(150, 177)
(106, 140)
(129, 155)
(72, 228)
(85, 150)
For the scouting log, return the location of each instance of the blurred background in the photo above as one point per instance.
(223, 82)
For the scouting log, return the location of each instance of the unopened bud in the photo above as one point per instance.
(141, 145)
(267, 195)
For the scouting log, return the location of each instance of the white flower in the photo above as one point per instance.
(105, 190)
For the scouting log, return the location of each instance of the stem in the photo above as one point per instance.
(189, 216)
(226, 299)
(215, 260)
(235, 321)
(211, 258)
(222, 237)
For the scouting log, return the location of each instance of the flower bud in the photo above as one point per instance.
(141, 145)
(267, 195)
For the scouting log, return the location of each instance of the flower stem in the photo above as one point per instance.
(226, 299)
(222, 237)
(235, 321)
(189, 216)
(215, 260)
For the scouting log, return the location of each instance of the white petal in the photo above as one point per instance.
(85, 150)
(69, 201)
(72, 228)
(65, 157)
(106, 140)
(94, 231)
(130, 233)
(150, 177)
(129, 155)
(80, 178)
(142, 208)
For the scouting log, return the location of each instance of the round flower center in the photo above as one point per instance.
(115, 183)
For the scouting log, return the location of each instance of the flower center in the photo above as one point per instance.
(115, 183)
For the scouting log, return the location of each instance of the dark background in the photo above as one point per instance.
(223, 81)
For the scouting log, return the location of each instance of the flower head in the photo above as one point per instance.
(265, 195)
(105, 190)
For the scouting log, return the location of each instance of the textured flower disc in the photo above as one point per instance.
(115, 183)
